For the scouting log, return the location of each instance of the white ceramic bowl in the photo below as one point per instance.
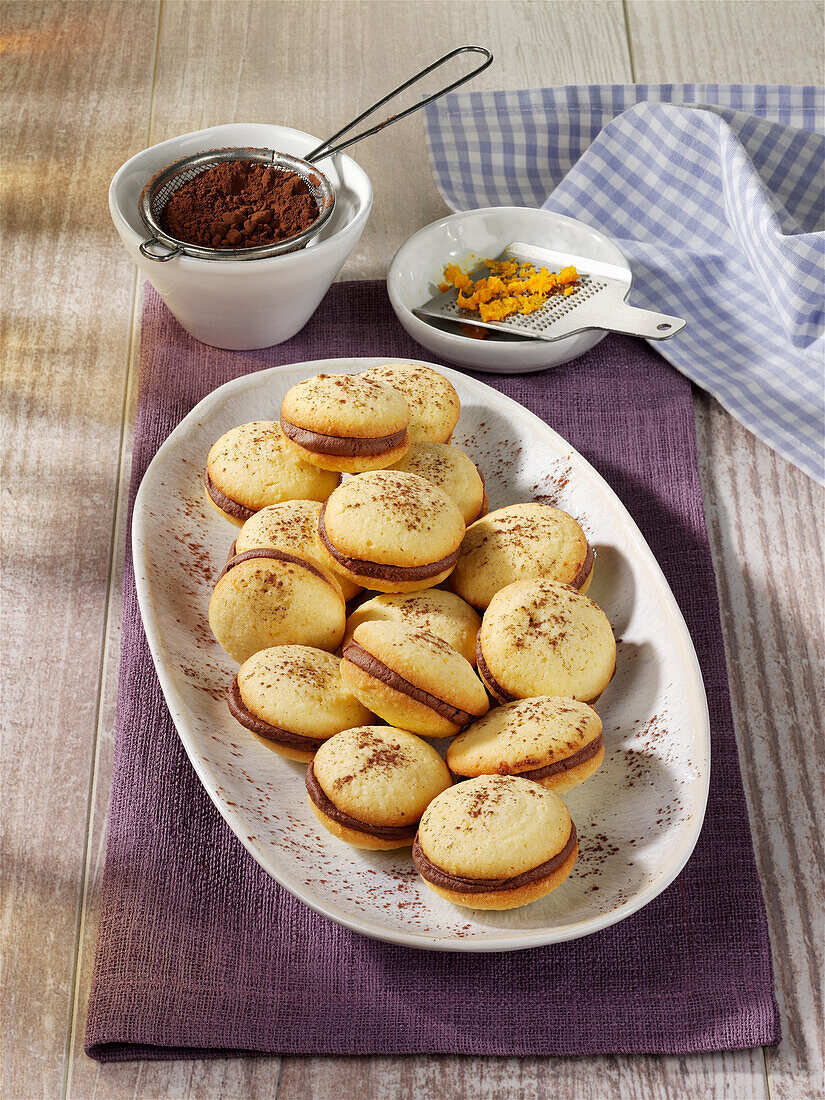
(243, 304)
(479, 234)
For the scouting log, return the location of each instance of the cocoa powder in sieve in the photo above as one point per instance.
(239, 204)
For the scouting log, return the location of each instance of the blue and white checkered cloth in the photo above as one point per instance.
(716, 195)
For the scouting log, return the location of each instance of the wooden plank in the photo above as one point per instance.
(615, 1077)
(727, 41)
(765, 521)
(68, 291)
(763, 515)
(216, 64)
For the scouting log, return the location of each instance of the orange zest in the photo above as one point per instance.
(510, 288)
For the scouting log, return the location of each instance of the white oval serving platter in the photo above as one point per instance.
(638, 818)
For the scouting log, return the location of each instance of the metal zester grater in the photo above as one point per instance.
(598, 302)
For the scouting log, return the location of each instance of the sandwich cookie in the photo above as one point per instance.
(412, 679)
(451, 470)
(434, 610)
(495, 842)
(432, 400)
(253, 466)
(518, 542)
(346, 422)
(266, 597)
(370, 785)
(292, 698)
(392, 531)
(555, 742)
(292, 526)
(539, 637)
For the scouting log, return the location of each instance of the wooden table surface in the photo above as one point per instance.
(85, 85)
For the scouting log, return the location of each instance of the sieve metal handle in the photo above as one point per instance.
(164, 251)
(327, 149)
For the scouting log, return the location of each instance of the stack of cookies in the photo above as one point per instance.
(374, 605)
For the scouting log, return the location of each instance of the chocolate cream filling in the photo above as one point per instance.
(361, 658)
(329, 809)
(557, 766)
(482, 508)
(225, 503)
(584, 572)
(275, 555)
(340, 447)
(460, 885)
(239, 711)
(386, 572)
(487, 676)
(495, 687)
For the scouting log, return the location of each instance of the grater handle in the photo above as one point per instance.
(620, 317)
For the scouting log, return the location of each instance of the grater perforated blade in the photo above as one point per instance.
(598, 302)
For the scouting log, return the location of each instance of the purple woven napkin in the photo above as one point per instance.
(200, 953)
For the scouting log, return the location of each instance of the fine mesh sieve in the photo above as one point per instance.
(156, 193)
(161, 187)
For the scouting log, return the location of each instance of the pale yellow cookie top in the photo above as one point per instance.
(524, 735)
(348, 406)
(299, 689)
(540, 637)
(292, 526)
(516, 543)
(441, 613)
(380, 775)
(288, 526)
(495, 826)
(450, 469)
(255, 466)
(432, 400)
(262, 602)
(425, 661)
(393, 518)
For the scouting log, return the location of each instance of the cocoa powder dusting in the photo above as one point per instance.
(239, 204)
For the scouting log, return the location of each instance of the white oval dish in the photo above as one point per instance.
(638, 818)
(464, 239)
